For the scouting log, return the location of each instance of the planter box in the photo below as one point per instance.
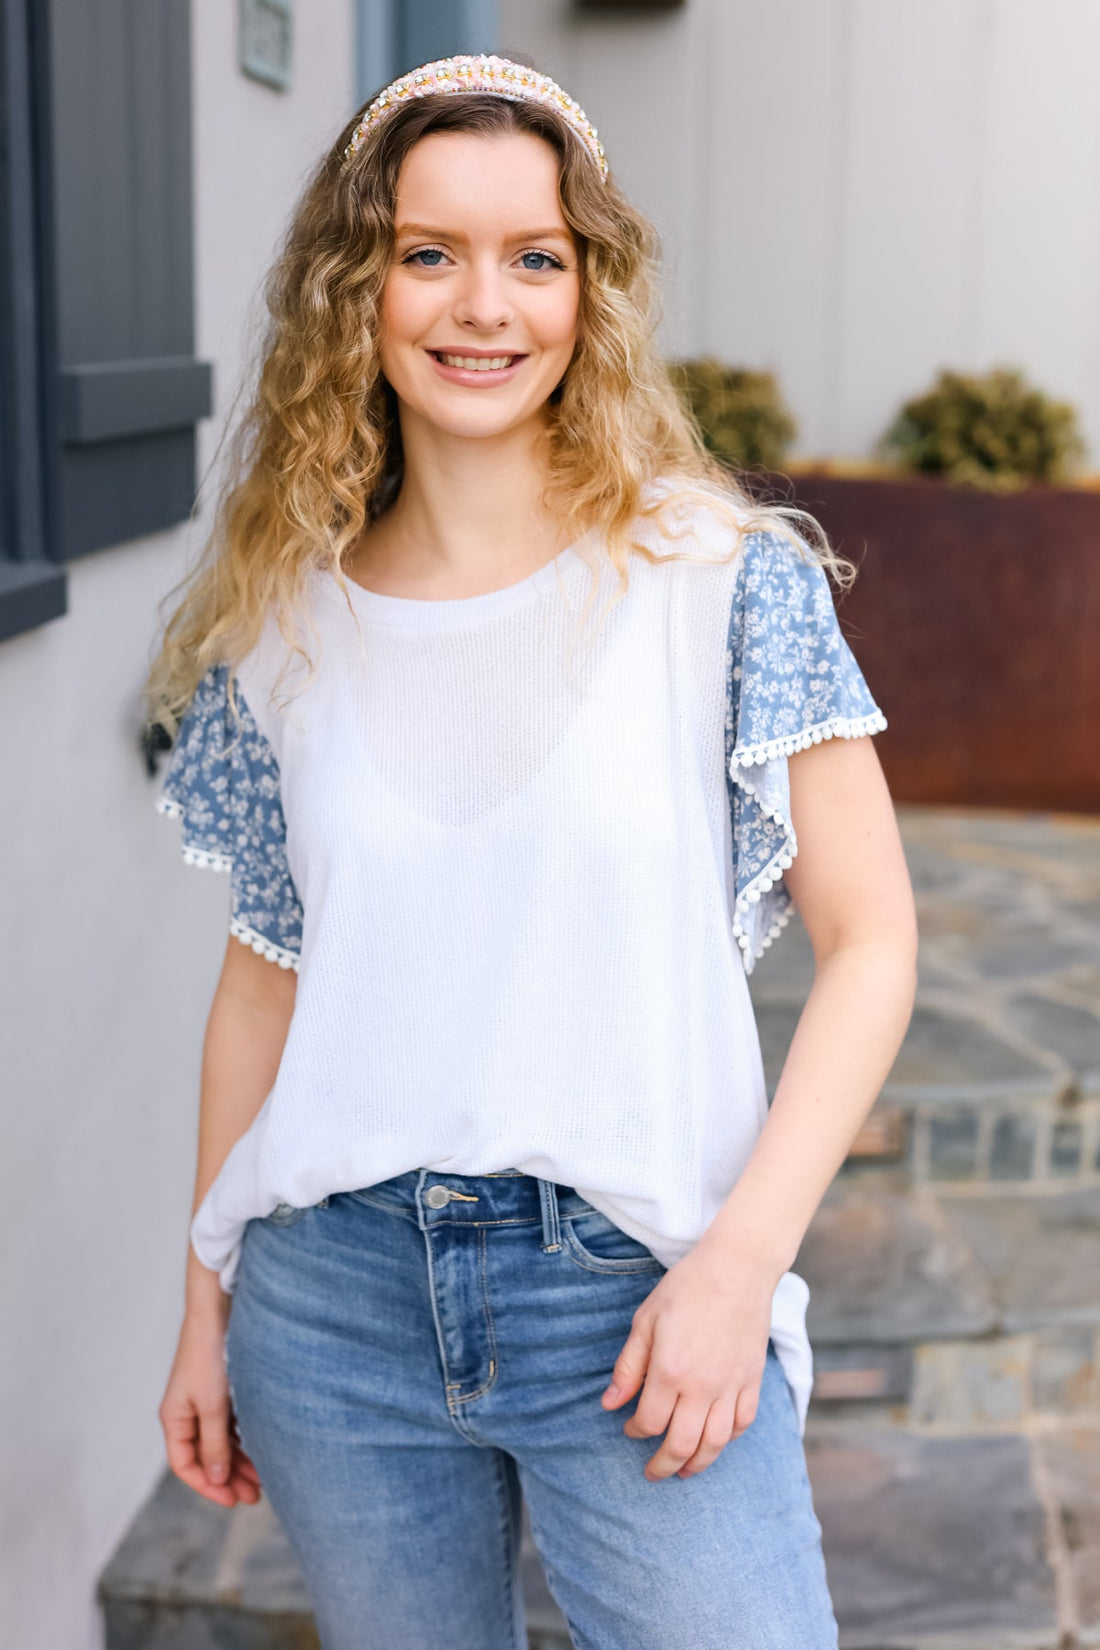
(976, 621)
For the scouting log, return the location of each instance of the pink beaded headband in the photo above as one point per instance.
(480, 74)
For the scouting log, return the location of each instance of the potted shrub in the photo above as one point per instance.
(741, 414)
(976, 616)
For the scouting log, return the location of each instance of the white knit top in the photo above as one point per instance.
(518, 855)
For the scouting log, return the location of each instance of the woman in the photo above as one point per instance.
(509, 714)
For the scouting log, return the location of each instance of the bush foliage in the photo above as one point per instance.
(990, 430)
(741, 413)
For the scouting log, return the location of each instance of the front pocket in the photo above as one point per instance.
(374, 1200)
(594, 1241)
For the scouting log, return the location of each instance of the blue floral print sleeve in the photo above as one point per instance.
(222, 782)
(792, 681)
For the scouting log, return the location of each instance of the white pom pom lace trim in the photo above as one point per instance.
(764, 879)
(837, 727)
(263, 946)
(206, 857)
(747, 756)
(209, 858)
(745, 942)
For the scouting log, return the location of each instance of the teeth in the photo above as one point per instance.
(478, 363)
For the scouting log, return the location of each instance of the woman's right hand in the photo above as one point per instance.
(196, 1415)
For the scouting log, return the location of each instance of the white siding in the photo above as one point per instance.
(856, 193)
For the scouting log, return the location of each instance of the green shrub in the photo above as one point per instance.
(990, 430)
(740, 413)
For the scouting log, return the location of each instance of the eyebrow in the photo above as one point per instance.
(433, 231)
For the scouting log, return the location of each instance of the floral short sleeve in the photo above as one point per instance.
(792, 681)
(222, 782)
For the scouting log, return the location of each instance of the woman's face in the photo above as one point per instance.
(484, 269)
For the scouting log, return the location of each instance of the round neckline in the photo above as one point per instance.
(449, 612)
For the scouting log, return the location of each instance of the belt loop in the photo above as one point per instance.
(551, 1226)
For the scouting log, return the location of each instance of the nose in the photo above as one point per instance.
(482, 301)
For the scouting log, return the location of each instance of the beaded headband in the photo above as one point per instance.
(480, 74)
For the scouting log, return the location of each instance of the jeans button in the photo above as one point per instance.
(437, 1197)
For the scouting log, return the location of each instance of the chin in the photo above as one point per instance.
(479, 431)
(475, 422)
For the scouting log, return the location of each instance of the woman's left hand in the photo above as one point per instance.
(699, 1341)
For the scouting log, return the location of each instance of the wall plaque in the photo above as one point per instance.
(265, 41)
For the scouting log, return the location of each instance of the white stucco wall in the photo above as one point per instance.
(112, 945)
(855, 193)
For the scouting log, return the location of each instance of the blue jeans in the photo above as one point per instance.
(405, 1360)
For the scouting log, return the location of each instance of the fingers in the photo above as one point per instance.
(243, 1467)
(685, 1427)
(244, 1480)
(181, 1439)
(655, 1407)
(203, 1456)
(696, 1427)
(215, 1450)
(748, 1402)
(630, 1365)
(717, 1433)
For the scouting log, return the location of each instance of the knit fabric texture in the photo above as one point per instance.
(523, 849)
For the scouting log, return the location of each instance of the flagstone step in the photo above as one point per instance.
(998, 1080)
(898, 1266)
(957, 1542)
(192, 1576)
(931, 1543)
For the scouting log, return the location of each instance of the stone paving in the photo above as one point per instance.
(953, 1441)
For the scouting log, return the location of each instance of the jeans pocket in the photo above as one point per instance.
(595, 1242)
(387, 1202)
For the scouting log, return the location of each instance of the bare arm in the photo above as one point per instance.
(850, 884)
(245, 1035)
(699, 1340)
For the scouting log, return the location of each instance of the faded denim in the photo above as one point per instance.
(401, 1373)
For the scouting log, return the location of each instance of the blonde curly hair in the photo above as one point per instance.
(317, 454)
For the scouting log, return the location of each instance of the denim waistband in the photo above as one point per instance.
(507, 1197)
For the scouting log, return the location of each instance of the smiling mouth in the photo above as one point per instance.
(475, 363)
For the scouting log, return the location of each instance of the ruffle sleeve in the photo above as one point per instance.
(222, 783)
(792, 681)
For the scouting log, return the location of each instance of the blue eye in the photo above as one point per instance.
(425, 252)
(553, 262)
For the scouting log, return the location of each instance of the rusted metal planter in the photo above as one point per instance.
(976, 621)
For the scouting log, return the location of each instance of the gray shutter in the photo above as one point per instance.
(427, 29)
(394, 36)
(32, 588)
(127, 389)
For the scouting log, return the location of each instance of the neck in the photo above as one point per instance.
(469, 509)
